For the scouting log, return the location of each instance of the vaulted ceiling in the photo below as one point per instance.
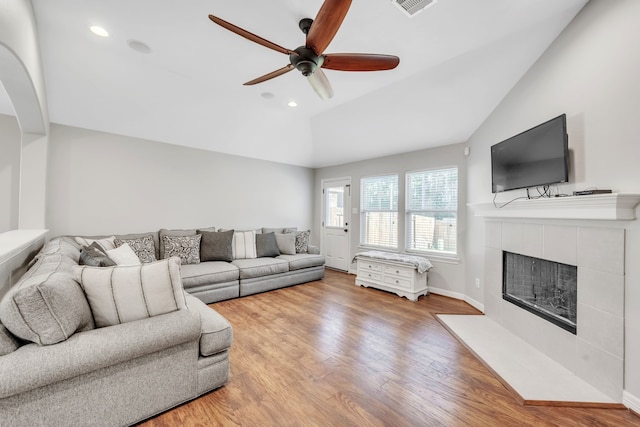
(458, 59)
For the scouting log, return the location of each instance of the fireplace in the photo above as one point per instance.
(545, 288)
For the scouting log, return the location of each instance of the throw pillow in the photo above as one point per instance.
(46, 309)
(286, 243)
(266, 245)
(124, 294)
(187, 248)
(8, 343)
(124, 255)
(216, 246)
(164, 232)
(106, 244)
(93, 255)
(143, 247)
(244, 244)
(302, 240)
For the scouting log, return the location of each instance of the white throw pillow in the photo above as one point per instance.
(244, 244)
(106, 243)
(123, 294)
(124, 255)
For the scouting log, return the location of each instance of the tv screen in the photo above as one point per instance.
(536, 157)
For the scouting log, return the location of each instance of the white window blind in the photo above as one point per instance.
(379, 211)
(432, 211)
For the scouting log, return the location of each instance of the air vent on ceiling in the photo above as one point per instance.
(411, 7)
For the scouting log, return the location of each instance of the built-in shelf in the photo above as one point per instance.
(611, 207)
(14, 241)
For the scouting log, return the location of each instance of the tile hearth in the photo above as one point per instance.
(534, 376)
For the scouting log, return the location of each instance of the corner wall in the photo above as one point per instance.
(590, 73)
(100, 183)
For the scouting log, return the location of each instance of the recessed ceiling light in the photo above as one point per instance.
(138, 46)
(292, 104)
(99, 31)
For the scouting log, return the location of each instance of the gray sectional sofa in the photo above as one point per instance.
(58, 366)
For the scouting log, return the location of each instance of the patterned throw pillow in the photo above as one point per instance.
(143, 247)
(124, 294)
(302, 241)
(187, 248)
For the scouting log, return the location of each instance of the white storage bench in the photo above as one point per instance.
(404, 275)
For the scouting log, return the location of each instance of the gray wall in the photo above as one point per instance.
(446, 276)
(9, 172)
(590, 73)
(104, 183)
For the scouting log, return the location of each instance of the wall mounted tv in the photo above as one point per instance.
(536, 157)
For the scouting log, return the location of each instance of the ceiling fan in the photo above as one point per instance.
(310, 58)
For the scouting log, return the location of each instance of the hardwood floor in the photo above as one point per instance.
(329, 353)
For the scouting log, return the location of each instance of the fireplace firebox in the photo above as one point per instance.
(545, 288)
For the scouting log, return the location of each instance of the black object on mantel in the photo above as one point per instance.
(590, 192)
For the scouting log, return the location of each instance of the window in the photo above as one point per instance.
(432, 211)
(379, 222)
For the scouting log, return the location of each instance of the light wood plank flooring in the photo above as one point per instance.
(329, 353)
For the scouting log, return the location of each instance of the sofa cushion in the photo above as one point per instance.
(94, 256)
(124, 255)
(208, 273)
(136, 236)
(8, 343)
(60, 246)
(259, 267)
(217, 334)
(143, 246)
(187, 248)
(286, 243)
(278, 230)
(164, 232)
(126, 293)
(46, 308)
(216, 246)
(244, 244)
(300, 261)
(266, 245)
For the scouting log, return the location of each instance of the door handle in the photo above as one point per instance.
(346, 230)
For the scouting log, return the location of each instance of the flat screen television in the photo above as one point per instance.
(535, 157)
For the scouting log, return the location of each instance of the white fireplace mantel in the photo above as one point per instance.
(613, 207)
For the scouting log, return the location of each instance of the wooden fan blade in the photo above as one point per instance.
(320, 84)
(326, 24)
(249, 36)
(360, 62)
(271, 75)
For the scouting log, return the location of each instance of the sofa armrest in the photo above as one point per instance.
(32, 366)
(314, 250)
(217, 334)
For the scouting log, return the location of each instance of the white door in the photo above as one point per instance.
(336, 210)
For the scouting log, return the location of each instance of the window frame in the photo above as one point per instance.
(432, 253)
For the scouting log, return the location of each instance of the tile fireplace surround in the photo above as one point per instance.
(570, 233)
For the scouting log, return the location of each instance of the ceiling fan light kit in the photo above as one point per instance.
(310, 58)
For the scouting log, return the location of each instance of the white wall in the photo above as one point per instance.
(590, 73)
(104, 183)
(9, 172)
(446, 276)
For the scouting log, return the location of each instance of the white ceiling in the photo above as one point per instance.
(457, 61)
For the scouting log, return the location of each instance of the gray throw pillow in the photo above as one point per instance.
(187, 248)
(216, 246)
(8, 343)
(144, 247)
(267, 245)
(93, 256)
(286, 243)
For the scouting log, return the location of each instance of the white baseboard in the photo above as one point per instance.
(353, 271)
(457, 295)
(474, 303)
(630, 401)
